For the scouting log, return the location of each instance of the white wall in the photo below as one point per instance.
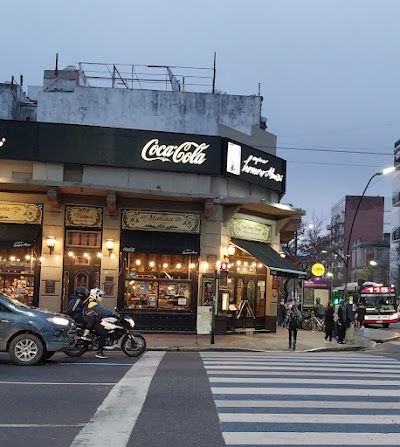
(186, 112)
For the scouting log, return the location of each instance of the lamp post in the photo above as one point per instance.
(348, 254)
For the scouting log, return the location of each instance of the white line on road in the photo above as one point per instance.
(39, 425)
(114, 420)
(312, 438)
(309, 391)
(59, 383)
(365, 405)
(305, 372)
(306, 419)
(290, 380)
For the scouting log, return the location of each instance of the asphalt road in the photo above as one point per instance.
(210, 399)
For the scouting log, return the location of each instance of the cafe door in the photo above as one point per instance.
(79, 273)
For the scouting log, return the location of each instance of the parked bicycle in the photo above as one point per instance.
(313, 323)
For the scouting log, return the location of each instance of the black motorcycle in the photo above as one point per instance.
(120, 334)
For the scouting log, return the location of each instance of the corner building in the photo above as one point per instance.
(143, 193)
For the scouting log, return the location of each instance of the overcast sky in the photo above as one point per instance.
(328, 70)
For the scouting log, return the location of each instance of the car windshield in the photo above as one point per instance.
(12, 300)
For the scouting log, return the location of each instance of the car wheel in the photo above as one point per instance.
(385, 325)
(26, 350)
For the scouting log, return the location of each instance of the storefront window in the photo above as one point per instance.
(17, 273)
(159, 282)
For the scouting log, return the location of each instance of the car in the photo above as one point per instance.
(30, 334)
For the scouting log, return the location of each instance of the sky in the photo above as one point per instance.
(328, 71)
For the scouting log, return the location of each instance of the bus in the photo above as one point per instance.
(379, 300)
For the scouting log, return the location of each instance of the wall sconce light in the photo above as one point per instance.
(51, 242)
(110, 246)
(231, 250)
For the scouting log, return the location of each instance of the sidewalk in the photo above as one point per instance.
(266, 342)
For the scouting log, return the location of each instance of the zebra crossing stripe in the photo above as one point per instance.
(273, 400)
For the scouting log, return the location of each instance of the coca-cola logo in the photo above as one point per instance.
(188, 152)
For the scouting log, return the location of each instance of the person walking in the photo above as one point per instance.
(292, 323)
(342, 322)
(329, 323)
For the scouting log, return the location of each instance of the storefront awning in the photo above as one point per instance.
(18, 235)
(136, 241)
(277, 265)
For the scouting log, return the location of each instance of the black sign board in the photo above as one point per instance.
(104, 146)
(254, 166)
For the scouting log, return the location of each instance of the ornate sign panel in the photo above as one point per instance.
(157, 221)
(249, 230)
(15, 212)
(83, 216)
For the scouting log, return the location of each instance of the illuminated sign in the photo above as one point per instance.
(188, 152)
(318, 269)
(378, 289)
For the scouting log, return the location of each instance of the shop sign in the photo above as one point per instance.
(157, 221)
(22, 213)
(249, 230)
(187, 152)
(318, 269)
(317, 283)
(255, 166)
(83, 216)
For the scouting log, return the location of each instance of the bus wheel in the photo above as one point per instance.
(385, 325)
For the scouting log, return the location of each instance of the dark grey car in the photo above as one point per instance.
(30, 334)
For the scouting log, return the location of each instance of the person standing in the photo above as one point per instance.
(292, 323)
(329, 323)
(281, 313)
(342, 322)
(360, 315)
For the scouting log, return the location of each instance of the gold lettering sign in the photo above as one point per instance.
(83, 216)
(14, 212)
(155, 221)
(249, 230)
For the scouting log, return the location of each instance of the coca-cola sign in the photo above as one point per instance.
(188, 152)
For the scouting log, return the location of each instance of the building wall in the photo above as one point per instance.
(185, 112)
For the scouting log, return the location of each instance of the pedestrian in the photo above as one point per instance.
(360, 314)
(342, 322)
(292, 322)
(329, 323)
(281, 313)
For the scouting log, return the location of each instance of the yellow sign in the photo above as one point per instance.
(318, 269)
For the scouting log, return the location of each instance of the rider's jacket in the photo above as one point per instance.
(94, 310)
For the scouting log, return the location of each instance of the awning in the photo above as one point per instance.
(277, 265)
(18, 235)
(136, 241)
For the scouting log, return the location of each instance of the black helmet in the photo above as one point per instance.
(82, 292)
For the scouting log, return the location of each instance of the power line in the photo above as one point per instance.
(332, 164)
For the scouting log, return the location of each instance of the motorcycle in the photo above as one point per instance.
(120, 335)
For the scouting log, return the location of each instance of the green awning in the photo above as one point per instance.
(277, 265)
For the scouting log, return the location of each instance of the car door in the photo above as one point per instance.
(7, 320)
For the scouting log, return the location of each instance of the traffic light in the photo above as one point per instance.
(223, 274)
(224, 266)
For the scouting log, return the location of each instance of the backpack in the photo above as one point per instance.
(293, 321)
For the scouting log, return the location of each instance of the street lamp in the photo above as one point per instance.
(344, 259)
(384, 172)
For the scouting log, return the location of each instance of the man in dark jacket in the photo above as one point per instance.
(343, 321)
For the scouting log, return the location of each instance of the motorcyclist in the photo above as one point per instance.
(76, 307)
(94, 310)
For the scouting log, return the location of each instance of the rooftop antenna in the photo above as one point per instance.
(56, 70)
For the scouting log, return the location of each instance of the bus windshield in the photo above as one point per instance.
(384, 302)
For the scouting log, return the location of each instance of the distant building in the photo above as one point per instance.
(368, 226)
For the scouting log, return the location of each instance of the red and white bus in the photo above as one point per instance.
(380, 303)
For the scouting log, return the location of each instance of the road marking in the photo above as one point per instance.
(306, 419)
(39, 425)
(59, 383)
(221, 403)
(311, 438)
(290, 380)
(309, 391)
(306, 373)
(113, 422)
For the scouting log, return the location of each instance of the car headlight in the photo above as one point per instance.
(58, 320)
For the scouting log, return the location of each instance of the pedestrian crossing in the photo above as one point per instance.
(305, 399)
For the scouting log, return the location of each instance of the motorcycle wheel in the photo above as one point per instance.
(133, 346)
(78, 350)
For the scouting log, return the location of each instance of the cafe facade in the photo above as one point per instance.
(147, 216)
